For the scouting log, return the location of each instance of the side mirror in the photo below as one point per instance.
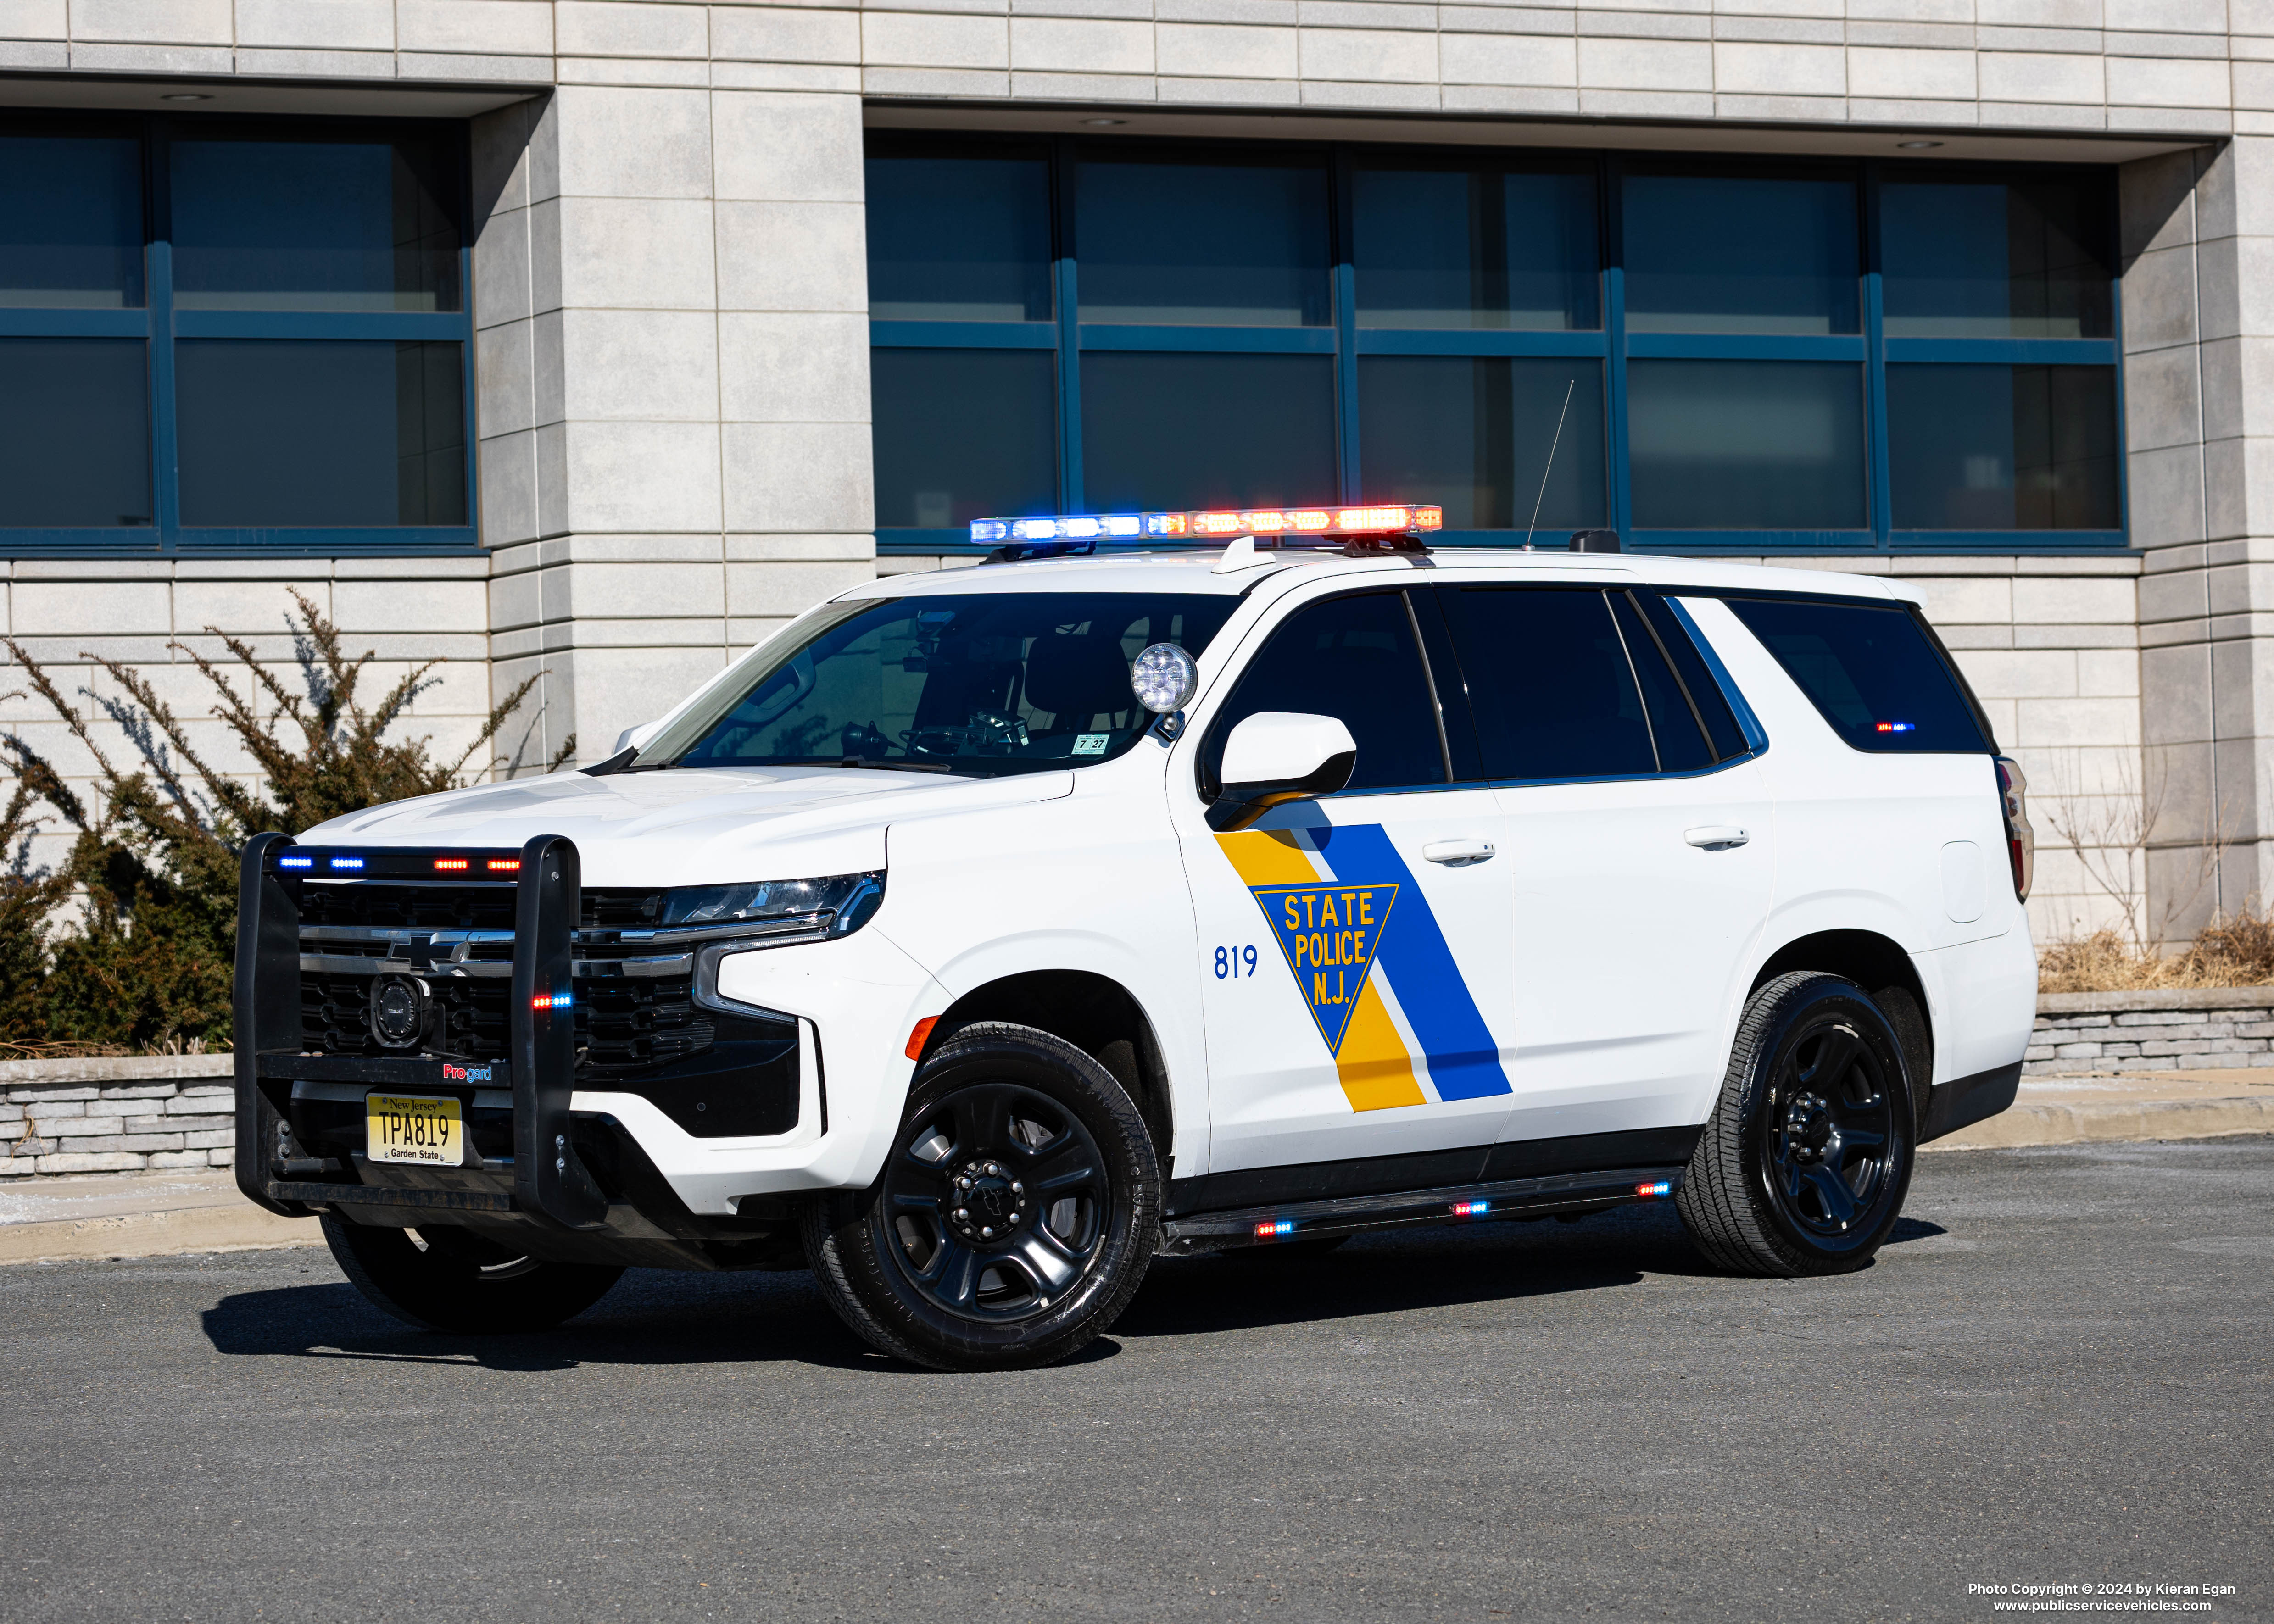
(1275, 756)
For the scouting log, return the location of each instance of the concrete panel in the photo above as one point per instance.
(2017, 673)
(928, 40)
(2165, 496)
(620, 28)
(508, 489)
(1210, 50)
(1645, 64)
(1510, 59)
(793, 256)
(651, 366)
(502, 284)
(641, 476)
(798, 477)
(2156, 205)
(636, 254)
(1355, 54)
(1905, 74)
(2163, 405)
(334, 25)
(632, 143)
(474, 27)
(784, 34)
(802, 368)
(2067, 601)
(2159, 295)
(2163, 81)
(776, 147)
(35, 19)
(505, 378)
(155, 22)
(2020, 76)
(618, 688)
(1783, 69)
(648, 591)
(1985, 600)
(2052, 724)
(420, 607)
(786, 588)
(73, 608)
(1071, 45)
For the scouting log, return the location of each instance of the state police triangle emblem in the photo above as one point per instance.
(1330, 935)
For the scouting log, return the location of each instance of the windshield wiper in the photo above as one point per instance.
(895, 766)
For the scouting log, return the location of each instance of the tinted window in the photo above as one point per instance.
(1549, 682)
(315, 224)
(1975, 447)
(956, 237)
(1475, 434)
(980, 682)
(1697, 676)
(1452, 248)
(962, 435)
(1206, 431)
(1870, 670)
(1352, 658)
(74, 432)
(1746, 445)
(70, 221)
(1673, 728)
(1994, 258)
(1708, 253)
(1220, 243)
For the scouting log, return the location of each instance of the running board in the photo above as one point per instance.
(1512, 1197)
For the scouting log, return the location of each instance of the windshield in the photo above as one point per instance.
(1009, 682)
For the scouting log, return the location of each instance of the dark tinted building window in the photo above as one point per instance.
(1226, 244)
(1475, 435)
(960, 235)
(1746, 445)
(1549, 681)
(74, 432)
(1997, 257)
(1356, 658)
(1870, 671)
(1476, 248)
(1206, 431)
(1998, 447)
(963, 434)
(70, 221)
(1742, 253)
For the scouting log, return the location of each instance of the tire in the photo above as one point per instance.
(441, 1277)
(999, 1116)
(1802, 1167)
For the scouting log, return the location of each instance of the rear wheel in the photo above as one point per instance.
(441, 1277)
(1802, 1168)
(1014, 1217)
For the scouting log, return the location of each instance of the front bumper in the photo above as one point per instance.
(575, 1163)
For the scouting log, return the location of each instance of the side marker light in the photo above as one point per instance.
(919, 1035)
(1663, 1187)
(1471, 1209)
(1272, 1231)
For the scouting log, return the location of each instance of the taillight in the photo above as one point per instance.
(2020, 839)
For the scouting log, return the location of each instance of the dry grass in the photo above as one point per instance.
(2235, 952)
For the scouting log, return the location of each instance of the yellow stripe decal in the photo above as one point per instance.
(1375, 1069)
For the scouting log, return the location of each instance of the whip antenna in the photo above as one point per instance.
(1551, 463)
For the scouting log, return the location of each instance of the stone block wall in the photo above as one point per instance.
(2184, 1029)
(128, 1115)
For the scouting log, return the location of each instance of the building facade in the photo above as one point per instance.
(590, 340)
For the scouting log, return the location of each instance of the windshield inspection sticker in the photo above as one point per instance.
(1091, 744)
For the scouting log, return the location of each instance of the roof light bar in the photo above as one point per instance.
(1388, 519)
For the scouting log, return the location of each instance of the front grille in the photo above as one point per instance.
(457, 940)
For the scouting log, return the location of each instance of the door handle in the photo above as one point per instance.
(1716, 836)
(1458, 852)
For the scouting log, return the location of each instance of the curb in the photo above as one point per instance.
(242, 1227)
(2115, 1120)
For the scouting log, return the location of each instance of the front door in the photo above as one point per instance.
(1355, 950)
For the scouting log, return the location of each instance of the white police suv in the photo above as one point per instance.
(985, 933)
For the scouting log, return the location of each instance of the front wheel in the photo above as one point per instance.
(1015, 1215)
(444, 1277)
(1802, 1168)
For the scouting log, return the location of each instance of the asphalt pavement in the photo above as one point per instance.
(2058, 1374)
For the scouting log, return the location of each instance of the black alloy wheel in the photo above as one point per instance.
(1014, 1217)
(1803, 1165)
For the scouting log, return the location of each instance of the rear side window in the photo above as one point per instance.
(1871, 670)
(1705, 692)
(1549, 682)
(1674, 726)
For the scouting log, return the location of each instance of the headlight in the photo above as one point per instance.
(839, 904)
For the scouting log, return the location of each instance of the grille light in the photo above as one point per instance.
(296, 862)
(449, 865)
(346, 862)
(504, 865)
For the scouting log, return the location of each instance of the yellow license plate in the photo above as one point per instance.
(413, 1128)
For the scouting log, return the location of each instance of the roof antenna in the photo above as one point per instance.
(1551, 463)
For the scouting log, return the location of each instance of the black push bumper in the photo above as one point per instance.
(550, 1184)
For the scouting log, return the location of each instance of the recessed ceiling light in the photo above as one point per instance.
(1105, 121)
(1917, 146)
(186, 95)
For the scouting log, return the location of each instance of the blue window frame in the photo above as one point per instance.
(1731, 356)
(223, 334)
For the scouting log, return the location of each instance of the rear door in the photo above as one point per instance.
(1640, 850)
(1355, 950)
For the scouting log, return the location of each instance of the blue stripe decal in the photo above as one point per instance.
(1464, 1059)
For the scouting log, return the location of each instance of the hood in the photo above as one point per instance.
(693, 825)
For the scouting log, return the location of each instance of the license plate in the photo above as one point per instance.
(413, 1128)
